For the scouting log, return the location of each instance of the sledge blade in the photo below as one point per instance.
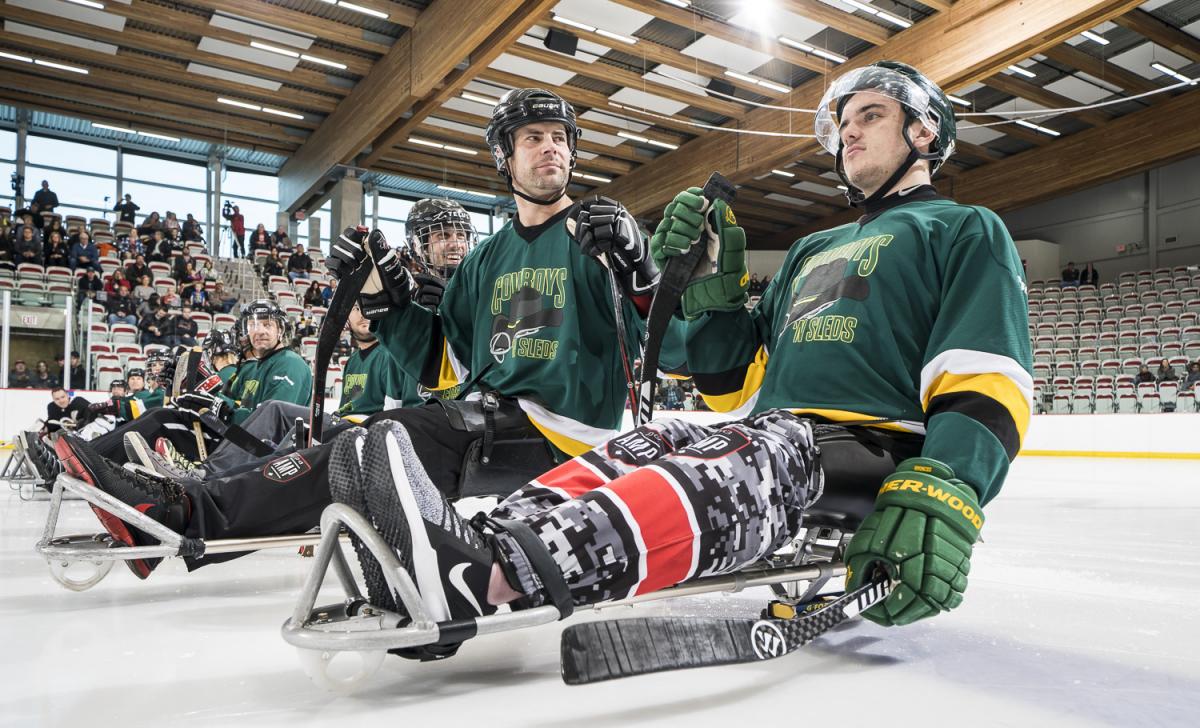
(610, 649)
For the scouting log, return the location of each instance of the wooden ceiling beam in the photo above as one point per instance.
(444, 178)
(1072, 57)
(1167, 36)
(115, 117)
(300, 22)
(517, 23)
(609, 73)
(447, 32)
(1038, 95)
(719, 29)
(852, 25)
(938, 4)
(954, 49)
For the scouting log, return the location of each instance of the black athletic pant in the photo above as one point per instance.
(286, 494)
(159, 422)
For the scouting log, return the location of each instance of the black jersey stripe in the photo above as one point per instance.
(983, 409)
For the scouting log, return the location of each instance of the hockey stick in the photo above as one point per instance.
(674, 278)
(335, 320)
(606, 650)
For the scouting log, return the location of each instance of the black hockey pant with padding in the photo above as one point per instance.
(286, 495)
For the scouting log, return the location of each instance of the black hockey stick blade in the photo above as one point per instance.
(671, 282)
(335, 320)
(607, 650)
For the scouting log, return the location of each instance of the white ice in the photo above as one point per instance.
(1082, 610)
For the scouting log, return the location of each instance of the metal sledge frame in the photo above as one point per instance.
(320, 633)
(101, 551)
(19, 471)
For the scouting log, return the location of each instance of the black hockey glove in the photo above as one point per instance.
(347, 252)
(198, 403)
(390, 286)
(602, 226)
(100, 409)
(430, 290)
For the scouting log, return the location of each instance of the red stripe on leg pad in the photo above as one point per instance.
(663, 520)
(571, 478)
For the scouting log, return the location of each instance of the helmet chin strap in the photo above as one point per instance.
(561, 193)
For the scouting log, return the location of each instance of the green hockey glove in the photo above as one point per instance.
(720, 280)
(922, 530)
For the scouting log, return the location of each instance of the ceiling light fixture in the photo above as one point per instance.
(664, 145)
(1023, 71)
(1035, 127)
(1095, 37)
(480, 98)
(1173, 73)
(678, 3)
(628, 40)
(878, 13)
(828, 55)
(465, 192)
(782, 173)
(575, 23)
(634, 137)
(958, 100)
(322, 61)
(273, 49)
(88, 3)
(593, 177)
(15, 57)
(61, 66)
(360, 9)
(158, 136)
(281, 112)
(122, 129)
(444, 147)
(758, 81)
(239, 104)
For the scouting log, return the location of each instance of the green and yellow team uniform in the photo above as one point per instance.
(372, 381)
(282, 375)
(231, 392)
(227, 373)
(136, 404)
(534, 318)
(917, 314)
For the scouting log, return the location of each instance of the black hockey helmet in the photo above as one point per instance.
(443, 219)
(220, 342)
(137, 372)
(518, 108)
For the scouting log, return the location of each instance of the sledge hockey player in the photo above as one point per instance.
(529, 318)
(890, 352)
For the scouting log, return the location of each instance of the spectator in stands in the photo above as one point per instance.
(151, 224)
(185, 326)
(327, 294)
(1193, 376)
(156, 328)
(299, 265)
(1166, 373)
(54, 226)
(84, 253)
(237, 224)
(44, 198)
(171, 226)
(191, 230)
(198, 299)
(147, 307)
(77, 374)
(28, 247)
(190, 280)
(179, 268)
(19, 377)
(121, 308)
(55, 251)
(1144, 375)
(28, 221)
(260, 239)
(1089, 275)
(137, 270)
(88, 286)
(209, 273)
(42, 378)
(116, 282)
(130, 246)
(313, 297)
(273, 266)
(280, 240)
(143, 290)
(127, 209)
(1070, 275)
(221, 299)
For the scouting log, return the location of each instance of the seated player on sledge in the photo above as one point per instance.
(904, 331)
(530, 319)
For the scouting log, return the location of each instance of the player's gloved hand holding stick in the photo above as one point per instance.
(198, 403)
(430, 290)
(922, 531)
(389, 285)
(720, 280)
(602, 226)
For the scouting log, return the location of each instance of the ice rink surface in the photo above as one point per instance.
(1082, 610)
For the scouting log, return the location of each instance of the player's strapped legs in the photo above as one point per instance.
(165, 422)
(602, 464)
(711, 507)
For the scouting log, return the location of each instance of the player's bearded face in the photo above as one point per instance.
(872, 142)
(541, 159)
(360, 327)
(447, 245)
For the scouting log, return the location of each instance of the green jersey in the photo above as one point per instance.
(372, 381)
(226, 373)
(534, 318)
(282, 375)
(136, 404)
(917, 314)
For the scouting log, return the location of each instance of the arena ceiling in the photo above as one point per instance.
(404, 88)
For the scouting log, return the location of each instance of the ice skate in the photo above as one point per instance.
(44, 461)
(177, 460)
(158, 498)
